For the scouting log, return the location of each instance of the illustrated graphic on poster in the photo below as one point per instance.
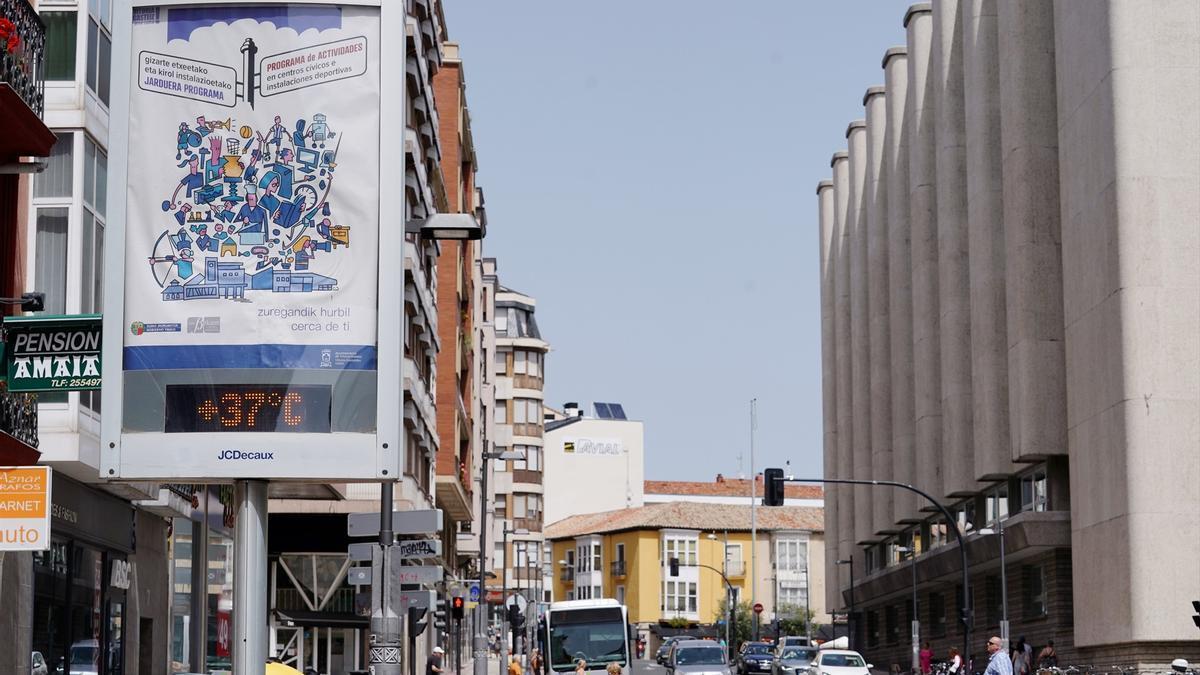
(253, 200)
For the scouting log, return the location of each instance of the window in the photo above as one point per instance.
(597, 592)
(1035, 591)
(527, 505)
(501, 508)
(581, 554)
(57, 180)
(570, 558)
(1033, 490)
(621, 552)
(95, 201)
(682, 548)
(938, 532)
(60, 45)
(596, 556)
(872, 629)
(992, 602)
(937, 614)
(679, 596)
(50, 273)
(519, 411)
(891, 622)
(791, 555)
(519, 363)
(535, 364)
(533, 458)
(621, 594)
(501, 412)
(499, 561)
(501, 362)
(964, 514)
(996, 503)
(792, 593)
(99, 48)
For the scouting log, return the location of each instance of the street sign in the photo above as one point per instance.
(426, 521)
(758, 608)
(495, 597)
(418, 548)
(361, 552)
(57, 353)
(473, 593)
(359, 576)
(25, 508)
(419, 574)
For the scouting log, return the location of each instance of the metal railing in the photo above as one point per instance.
(617, 568)
(23, 52)
(19, 416)
(567, 574)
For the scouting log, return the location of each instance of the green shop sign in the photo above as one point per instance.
(53, 353)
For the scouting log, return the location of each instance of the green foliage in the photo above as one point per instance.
(792, 620)
(743, 624)
(678, 622)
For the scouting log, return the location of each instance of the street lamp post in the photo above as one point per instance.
(1003, 581)
(850, 621)
(508, 631)
(479, 647)
(916, 621)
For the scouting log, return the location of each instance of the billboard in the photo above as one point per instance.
(251, 158)
(25, 508)
(52, 353)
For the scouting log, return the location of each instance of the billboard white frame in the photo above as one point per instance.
(311, 457)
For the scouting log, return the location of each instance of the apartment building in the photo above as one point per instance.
(1010, 309)
(519, 360)
(726, 490)
(600, 447)
(624, 554)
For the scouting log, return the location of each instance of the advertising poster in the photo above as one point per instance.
(24, 508)
(253, 187)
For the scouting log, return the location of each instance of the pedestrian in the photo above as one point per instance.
(580, 667)
(925, 658)
(614, 668)
(1048, 657)
(1020, 661)
(514, 666)
(1028, 649)
(998, 661)
(433, 665)
(535, 661)
(955, 660)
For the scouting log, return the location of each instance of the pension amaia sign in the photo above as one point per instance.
(57, 353)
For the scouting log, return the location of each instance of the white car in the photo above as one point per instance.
(840, 662)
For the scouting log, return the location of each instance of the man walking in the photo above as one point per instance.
(998, 661)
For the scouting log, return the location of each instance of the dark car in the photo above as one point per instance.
(795, 661)
(665, 648)
(755, 657)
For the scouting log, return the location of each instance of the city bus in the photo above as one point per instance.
(596, 631)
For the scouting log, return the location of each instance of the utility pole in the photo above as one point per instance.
(753, 507)
(385, 641)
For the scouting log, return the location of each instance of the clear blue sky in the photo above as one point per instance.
(650, 169)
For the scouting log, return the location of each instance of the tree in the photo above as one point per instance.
(743, 624)
(792, 620)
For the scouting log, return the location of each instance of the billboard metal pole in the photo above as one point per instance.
(250, 577)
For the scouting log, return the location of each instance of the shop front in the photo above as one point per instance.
(82, 583)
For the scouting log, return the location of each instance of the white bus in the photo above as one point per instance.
(596, 631)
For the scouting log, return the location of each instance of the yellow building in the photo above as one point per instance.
(624, 555)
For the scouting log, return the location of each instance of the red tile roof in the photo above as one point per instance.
(689, 516)
(726, 487)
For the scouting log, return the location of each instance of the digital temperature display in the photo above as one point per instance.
(247, 407)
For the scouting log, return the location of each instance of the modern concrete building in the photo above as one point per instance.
(624, 554)
(518, 368)
(604, 450)
(1010, 303)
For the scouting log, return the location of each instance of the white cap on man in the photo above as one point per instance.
(438, 650)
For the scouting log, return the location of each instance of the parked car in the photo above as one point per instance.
(754, 657)
(664, 650)
(39, 664)
(85, 659)
(697, 657)
(794, 661)
(841, 662)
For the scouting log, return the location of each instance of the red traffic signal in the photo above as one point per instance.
(458, 607)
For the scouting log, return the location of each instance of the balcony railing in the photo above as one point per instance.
(735, 568)
(617, 568)
(19, 416)
(23, 52)
(567, 574)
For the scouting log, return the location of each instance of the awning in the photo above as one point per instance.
(298, 617)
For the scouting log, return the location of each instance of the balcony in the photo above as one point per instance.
(22, 82)
(18, 428)
(735, 568)
(617, 568)
(567, 575)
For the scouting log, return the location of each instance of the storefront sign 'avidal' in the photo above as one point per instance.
(60, 353)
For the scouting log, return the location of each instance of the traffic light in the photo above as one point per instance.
(515, 618)
(415, 625)
(773, 488)
(458, 607)
(439, 615)
(674, 563)
(1196, 618)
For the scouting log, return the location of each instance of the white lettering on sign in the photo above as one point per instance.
(594, 446)
(120, 574)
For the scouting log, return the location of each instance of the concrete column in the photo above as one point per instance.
(954, 296)
(1129, 150)
(1037, 389)
(860, 344)
(828, 250)
(895, 158)
(874, 101)
(922, 192)
(985, 232)
(843, 495)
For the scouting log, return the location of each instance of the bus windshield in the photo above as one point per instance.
(594, 635)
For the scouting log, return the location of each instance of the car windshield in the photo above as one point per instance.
(842, 660)
(758, 649)
(699, 656)
(796, 654)
(84, 655)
